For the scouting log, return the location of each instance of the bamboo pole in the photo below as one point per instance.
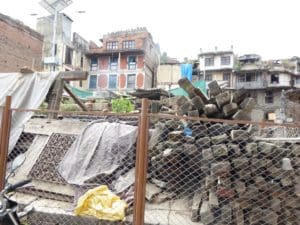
(4, 143)
(141, 166)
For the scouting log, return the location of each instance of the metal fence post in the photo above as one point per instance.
(5, 131)
(141, 165)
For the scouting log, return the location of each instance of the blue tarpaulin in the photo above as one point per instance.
(186, 71)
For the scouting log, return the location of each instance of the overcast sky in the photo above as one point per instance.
(269, 28)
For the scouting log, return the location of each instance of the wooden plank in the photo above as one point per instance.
(73, 75)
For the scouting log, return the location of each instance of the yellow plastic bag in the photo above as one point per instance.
(100, 202)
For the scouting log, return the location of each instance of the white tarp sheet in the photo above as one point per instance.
(99, 150)
(28, 91)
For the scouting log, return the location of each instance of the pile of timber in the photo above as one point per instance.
(222, 104)
(230, 177)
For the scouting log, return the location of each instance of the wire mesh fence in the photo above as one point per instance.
(67, 156)
(200, 171)
(222, 172)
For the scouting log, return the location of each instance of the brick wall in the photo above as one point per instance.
(19, 46)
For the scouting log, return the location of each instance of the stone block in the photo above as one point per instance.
(220, 168)
(220, 150)
(214, 88)
(230, 109)
(223, 99)
(203, 142)
(219, 139)
(239, 135)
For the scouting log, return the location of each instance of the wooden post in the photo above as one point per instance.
(4, 135)
(141, 166)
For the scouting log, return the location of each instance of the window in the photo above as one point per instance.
(298, 80)
(128, 44)
(274, 78)
(250, 77)
(112, 82)
(94, 63)
(269, 98)
(81, 62)
(131, 62)
(226, 76)
(208, 77)
(209, 61)
(93, 82)
(112, 45)
(241, 78)
(114, 62)
(68, 56)
(225, 60)
(131, 81)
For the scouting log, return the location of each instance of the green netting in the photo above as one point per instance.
(201, 84)
(80, 92)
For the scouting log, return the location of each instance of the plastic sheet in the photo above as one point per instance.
(28, 91)
(98, 151)
(101, 203)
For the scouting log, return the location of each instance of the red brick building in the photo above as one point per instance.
(19, 46)
(127, 60)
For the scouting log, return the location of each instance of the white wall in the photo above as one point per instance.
(217, 62)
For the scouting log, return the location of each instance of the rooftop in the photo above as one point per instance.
(215, 53)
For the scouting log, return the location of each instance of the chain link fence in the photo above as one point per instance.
(200, 171)
(64, 159)
(222, 172)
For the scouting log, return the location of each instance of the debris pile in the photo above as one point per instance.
(228, 175)
(222, 104)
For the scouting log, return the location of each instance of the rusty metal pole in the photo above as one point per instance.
(141, 166)
(5, 133)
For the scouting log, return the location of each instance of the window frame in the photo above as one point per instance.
(129, 44)
(209, 75)
(114, 65)
(225, 61)
(131, 75)
(269, 97)
(209, 61)
(93, 88)
(132, 65)
(109, 81)
(94, 66)
(227, 74)
(112, 45)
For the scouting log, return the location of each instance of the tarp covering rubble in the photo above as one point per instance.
(28, 91)
(99, 150)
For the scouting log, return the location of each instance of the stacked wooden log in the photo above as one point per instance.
(222, 104)
(230, 177)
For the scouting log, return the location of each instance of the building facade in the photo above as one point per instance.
(127, 60)
(69, 50)
(266, 81)
(168, 74)
(20, 46)
(217, 65)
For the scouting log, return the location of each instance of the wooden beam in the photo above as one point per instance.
(77, 100)
(73, 75)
